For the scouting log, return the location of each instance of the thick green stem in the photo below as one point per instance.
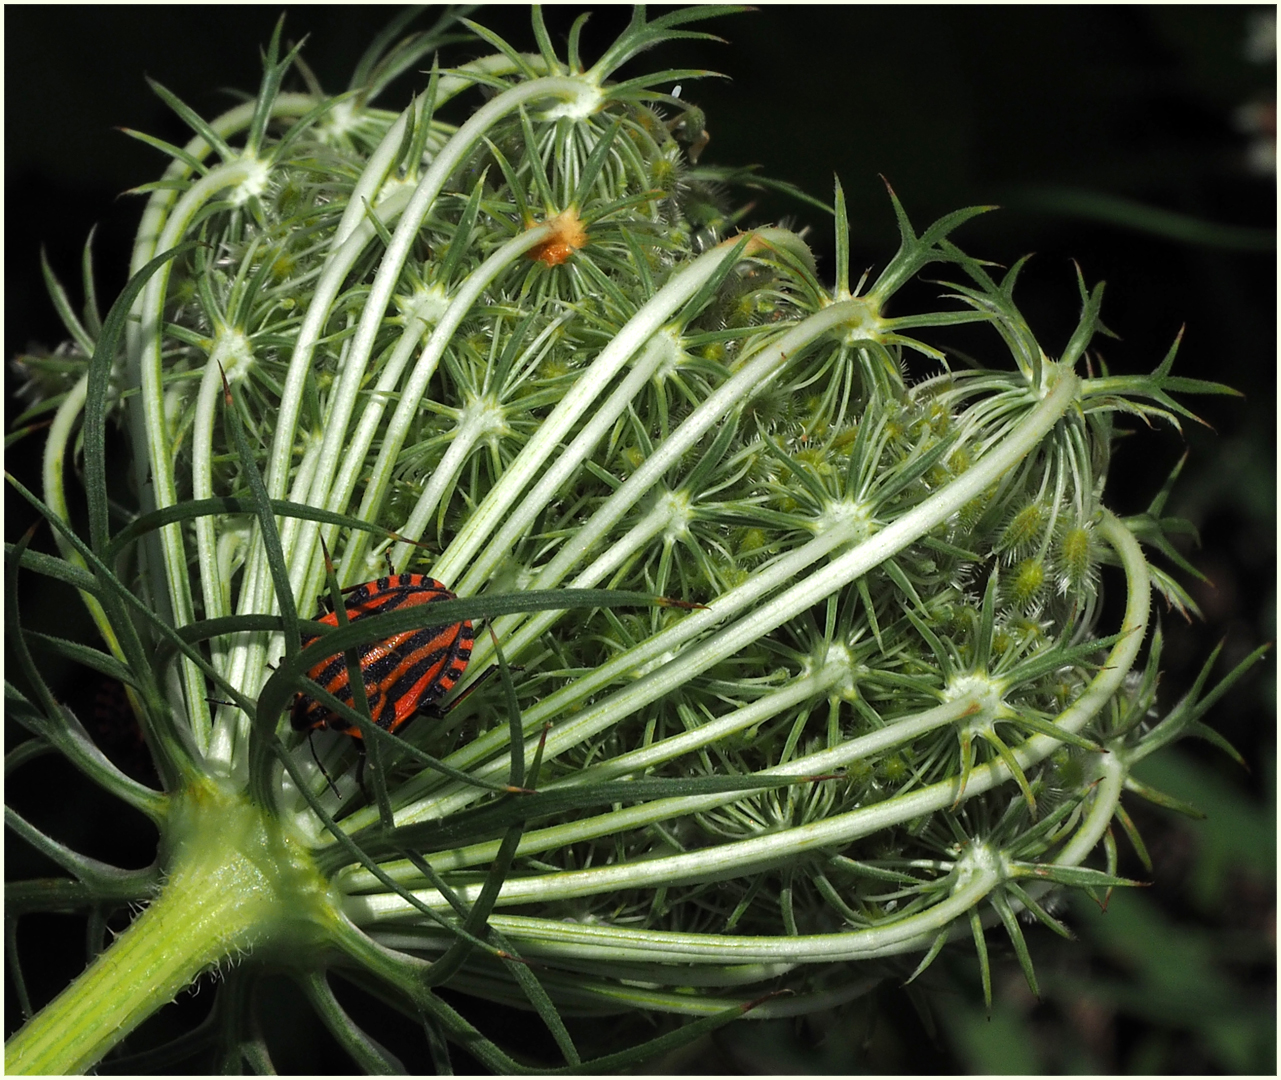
(128, 983)
(236, 884)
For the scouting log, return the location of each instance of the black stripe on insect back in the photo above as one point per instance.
(334, 676)
(451, 657)
(385, 599)
(400, 673)
(390, 593)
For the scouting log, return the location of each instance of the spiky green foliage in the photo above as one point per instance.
(532, 356)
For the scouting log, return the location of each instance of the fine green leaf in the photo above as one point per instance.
(169, 149)
(193, 120)
(97, 397)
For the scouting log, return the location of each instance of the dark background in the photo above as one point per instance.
(954, 106)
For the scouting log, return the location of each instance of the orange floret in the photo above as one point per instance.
(568, 235)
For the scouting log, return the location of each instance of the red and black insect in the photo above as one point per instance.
(403, 673)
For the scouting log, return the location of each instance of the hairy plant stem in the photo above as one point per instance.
(235, 884)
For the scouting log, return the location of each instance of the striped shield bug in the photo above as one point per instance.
(403, 673)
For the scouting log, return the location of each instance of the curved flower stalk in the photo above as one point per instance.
(800, 663)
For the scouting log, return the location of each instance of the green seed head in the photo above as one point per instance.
(799, 660)
(1026, 582)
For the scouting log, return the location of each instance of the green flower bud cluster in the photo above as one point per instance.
(799, 661)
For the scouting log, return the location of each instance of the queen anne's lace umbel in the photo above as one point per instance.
(800, 662)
